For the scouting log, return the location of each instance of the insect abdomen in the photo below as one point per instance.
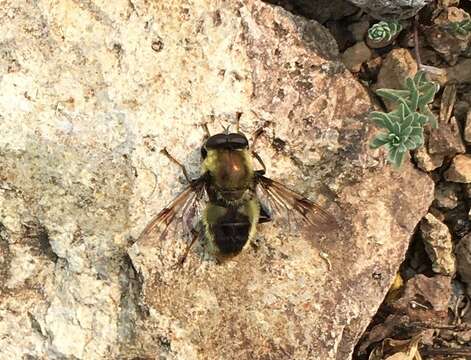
(228, 229)
(231, 238)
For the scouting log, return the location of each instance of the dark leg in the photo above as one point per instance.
(265, 215)
(238, 116)
(172, 159)
(260, 131)
(264, 169)
(195, 234)
(256, 135)
(206, 130)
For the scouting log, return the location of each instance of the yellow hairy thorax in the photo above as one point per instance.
(230, 169)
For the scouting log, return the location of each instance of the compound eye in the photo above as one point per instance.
(238, 141)
(227, 141)
(217, 141)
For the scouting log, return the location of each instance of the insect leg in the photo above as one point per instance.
(256, 135)
(207, 134)
(259, 159)
(260, 131)
(265, 215)
(175, 161)
(195, 234)
(238, 116)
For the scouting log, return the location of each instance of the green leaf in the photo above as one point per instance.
(420, 119)
(380, 140)
(382, 120)
(396, 128)
(407, 109)
(414, 94)
(396, 157)
(428, 94)
(430, 117)
(406, 131)
(420, 78)
(408, 120)
(402, 147)
(417, 131)
(413, 142)
(384, 30)
(392, 94)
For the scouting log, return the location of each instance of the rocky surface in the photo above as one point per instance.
(359, 29)
(398, 65)
(446, 140)
(91, 92)
(393, 10)
(356, 55)
(427, 161)
(442, 41)
(438, 245)
(446, 195)
(461, 72)
(319, 10)
(463, 258)
(467, 129)
(460, 169)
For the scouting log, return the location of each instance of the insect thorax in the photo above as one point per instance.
(231, 174)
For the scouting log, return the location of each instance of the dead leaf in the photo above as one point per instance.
(391, 349)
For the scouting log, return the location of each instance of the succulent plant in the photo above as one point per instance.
(404, 125)
(384, 31)
(418, 94)
(404, 132)
(462, 28)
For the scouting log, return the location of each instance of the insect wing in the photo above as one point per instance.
(282, 199)
(184, 209)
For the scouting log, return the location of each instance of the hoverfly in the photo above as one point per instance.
(229, 192)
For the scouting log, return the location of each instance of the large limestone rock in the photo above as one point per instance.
(90, 91)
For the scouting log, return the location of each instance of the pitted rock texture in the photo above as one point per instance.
(92, 91)
(391, 9)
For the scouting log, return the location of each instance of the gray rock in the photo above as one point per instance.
(438, 245)
(359, 29)
(460, 169)
(391, 9)
(448, 45)
(460, 110)
(460, 73)
(426, 161)
(446, 140)
(356, 55)
(94, 89)
(319, 10)
(467, 129)
(446, 195)
(463, 259)
(398, 66)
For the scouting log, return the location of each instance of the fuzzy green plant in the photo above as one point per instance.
(457, 28)
(384, 31)
(404, 126)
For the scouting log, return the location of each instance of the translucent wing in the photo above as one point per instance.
(282, 199)
(184, 208)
